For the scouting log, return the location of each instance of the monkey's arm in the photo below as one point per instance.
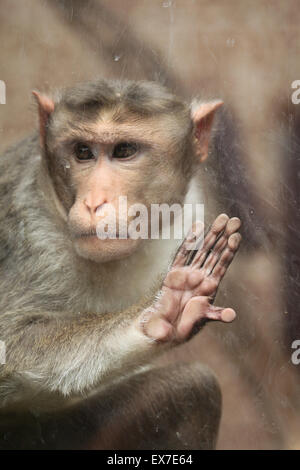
(62, 356)
(66, 356)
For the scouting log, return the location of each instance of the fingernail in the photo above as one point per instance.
(228, 315)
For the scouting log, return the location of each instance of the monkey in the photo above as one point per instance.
(83, 318)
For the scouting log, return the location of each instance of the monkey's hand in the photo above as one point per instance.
(185, 302)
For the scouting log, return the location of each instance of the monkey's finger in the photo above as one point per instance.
(215, 230)
(227, 256)
(232, 226)
(191, 241)
(197, 310)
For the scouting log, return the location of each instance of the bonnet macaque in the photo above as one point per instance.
(83, 317)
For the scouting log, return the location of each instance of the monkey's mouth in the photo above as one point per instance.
(86, 234)
(92, 233)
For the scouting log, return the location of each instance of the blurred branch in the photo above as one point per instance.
(237, 196)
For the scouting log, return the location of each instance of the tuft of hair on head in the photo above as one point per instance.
(143, 97)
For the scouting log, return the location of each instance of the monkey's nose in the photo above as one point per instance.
(94, 206)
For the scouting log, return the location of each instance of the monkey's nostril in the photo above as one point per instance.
(101, 209)
(87, 205)
(94, 207)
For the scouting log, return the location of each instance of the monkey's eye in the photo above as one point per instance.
(83, 153)
(124, 150)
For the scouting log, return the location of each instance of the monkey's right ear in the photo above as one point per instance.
(46, 107)
(202, 116)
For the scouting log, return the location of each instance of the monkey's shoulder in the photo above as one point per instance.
(17, 165)
(19, 154)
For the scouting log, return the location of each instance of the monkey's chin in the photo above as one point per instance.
(103, 251)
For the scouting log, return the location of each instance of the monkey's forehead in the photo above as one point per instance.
(141, 96)
(108, 127)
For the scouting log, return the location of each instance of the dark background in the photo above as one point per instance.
(246, 53)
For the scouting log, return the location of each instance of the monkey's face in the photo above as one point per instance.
(110, 144)
(108, 174)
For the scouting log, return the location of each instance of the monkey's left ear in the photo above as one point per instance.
(46, 107)
(202, 116)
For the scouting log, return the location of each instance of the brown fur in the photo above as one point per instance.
(67, 321)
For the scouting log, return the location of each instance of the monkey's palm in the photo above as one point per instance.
(191, 284)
